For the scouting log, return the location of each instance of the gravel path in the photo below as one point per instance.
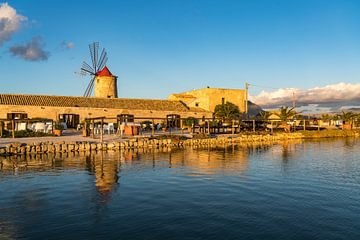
(72, 136)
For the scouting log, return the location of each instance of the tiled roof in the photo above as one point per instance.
(117, 103)
(182, 95)
(105, 72)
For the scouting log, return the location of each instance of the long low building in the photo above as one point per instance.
(105, 103)
(74, 110)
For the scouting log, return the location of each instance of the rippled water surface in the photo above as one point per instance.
(304, 190)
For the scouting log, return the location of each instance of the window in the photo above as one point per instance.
(173, 120)
(197, 104)
(11, 116)
(71, 120)
(125, 118)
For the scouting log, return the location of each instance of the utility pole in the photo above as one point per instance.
(246, 98)
(293, 100)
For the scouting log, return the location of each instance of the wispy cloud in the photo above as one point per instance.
(32, 51)
(67, 45)
(334, 94)
(10, 22)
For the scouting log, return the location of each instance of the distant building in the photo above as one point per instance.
(208, 98)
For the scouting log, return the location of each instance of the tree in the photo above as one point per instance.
(227, 111)
(286, 113)
(264, 115)
(347, 116)
(357, 120)
(190, 121)
(348, 119)
(326, 117)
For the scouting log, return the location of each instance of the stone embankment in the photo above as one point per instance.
(139, 143)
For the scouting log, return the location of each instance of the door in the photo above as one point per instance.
(71, 120)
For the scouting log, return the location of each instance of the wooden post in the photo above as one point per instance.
(304, 124)
(1, 128)
(13, 128)
(93, 129)
(272, 126)
(153, 128)
(102, 130)
(208, 122)
(181, 126)
(232, 126)
(254, 126)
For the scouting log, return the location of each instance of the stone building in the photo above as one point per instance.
(208, 98)
(73, 110)
(105, 103)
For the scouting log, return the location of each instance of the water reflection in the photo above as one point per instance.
(207, 160)
(233, 190)
(107, 166)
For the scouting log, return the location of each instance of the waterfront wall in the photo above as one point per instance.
(138, 143)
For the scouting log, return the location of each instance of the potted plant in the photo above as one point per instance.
(58, 129)
(190, 122)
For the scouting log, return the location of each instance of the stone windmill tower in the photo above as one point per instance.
(102, 79)
(105, 84)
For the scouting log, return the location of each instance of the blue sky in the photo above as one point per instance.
(159, 47)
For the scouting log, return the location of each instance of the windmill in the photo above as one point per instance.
(98, 63)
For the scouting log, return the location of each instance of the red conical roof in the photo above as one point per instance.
(105, 72)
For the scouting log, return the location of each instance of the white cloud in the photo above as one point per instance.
(339, 93)
(32, 51)
(10, 22)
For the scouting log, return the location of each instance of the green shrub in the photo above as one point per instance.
(25, 133)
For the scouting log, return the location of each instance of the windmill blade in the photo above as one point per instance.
(104, 63)
(89, 87)
(86, 68)
(102, 59)
(93, 54)
(96, 56)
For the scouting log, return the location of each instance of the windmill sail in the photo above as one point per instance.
(97, 64)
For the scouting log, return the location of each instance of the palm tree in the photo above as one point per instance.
(357, 120)
(347, 118)
(227, 111)
(286, 113)
(325, 117)
(264, 115)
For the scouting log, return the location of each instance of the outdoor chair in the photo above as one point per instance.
(105, 129)
(21, 126)
(111, 128)
(48, 128)
(97, 129)
(39, 127)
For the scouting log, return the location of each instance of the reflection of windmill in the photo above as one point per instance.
(97, 65)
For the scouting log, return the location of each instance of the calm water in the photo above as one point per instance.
(298, 190)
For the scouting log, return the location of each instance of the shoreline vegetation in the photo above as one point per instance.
(166, 141)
